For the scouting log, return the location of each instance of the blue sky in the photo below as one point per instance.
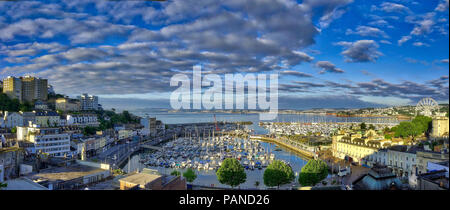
(328, 53)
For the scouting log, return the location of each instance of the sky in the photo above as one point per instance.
(327, 53)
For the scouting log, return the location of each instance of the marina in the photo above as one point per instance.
(202, 150)
(208, 153)
(208, 177)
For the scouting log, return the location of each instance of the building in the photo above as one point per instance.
(28, 117)
(356, 149)
(76, 175)
(424, 157)
(40, 105)
(91, 145)
(26, 88)
(52, 141)
(10, 160)
(378, 178)
(12, 87)
(147, 180)
(88, 102)
(438, 166)
(439, 127)
(12, 119)
(67, 104)
(434, 180)
(402, 159)
(34, 88)
(125, 134)
(23, 183)
(149, 124)
(47, 119)
(82, 120)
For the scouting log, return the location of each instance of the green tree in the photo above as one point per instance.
(363, 126)
(175, 173)
(278, 173)
(256, 184)
(231, 173)
(371, 126)
(14, 130)
(88, 130)
(423, 123)
(190, 175)
(313, 172)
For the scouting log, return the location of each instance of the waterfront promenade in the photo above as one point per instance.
(307, 151)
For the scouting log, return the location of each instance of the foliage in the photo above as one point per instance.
(190, 175)
(26, 107)
(124, 117)
(371, 126)
(278, 173)
(363, 126)
(88, 130)
(14, 130)
(245, 123)
(313, 172)
(256, 183)
(423, 123)
(175, 173)
(419, 125)
(231, 173)
(387, 136)
(118, 172)
(7, 104)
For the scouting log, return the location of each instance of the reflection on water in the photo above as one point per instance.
(208, 178)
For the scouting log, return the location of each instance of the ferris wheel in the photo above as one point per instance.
(426, 106)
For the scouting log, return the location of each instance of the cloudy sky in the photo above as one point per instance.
(328, 53)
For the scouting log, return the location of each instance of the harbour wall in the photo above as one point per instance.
(275, 141)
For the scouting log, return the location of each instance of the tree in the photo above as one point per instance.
(175, 173)
(371, 126)
(256, 184)
(14, 130)
(363, 126)
(231, 173)
(313, 172)
(88, 130)
(423, 123)
(278, 173)
(190, 175)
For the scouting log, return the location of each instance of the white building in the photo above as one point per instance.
(88, 102)
(149, 123)
(46, 140)
(400, 158)
(124, 134)
(82, 120)
(12, 119)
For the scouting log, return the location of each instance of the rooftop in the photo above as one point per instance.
(65, 173)
(23, 184)
(437, 177)
(140, 178)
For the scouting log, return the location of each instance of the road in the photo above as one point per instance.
(119, 151)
